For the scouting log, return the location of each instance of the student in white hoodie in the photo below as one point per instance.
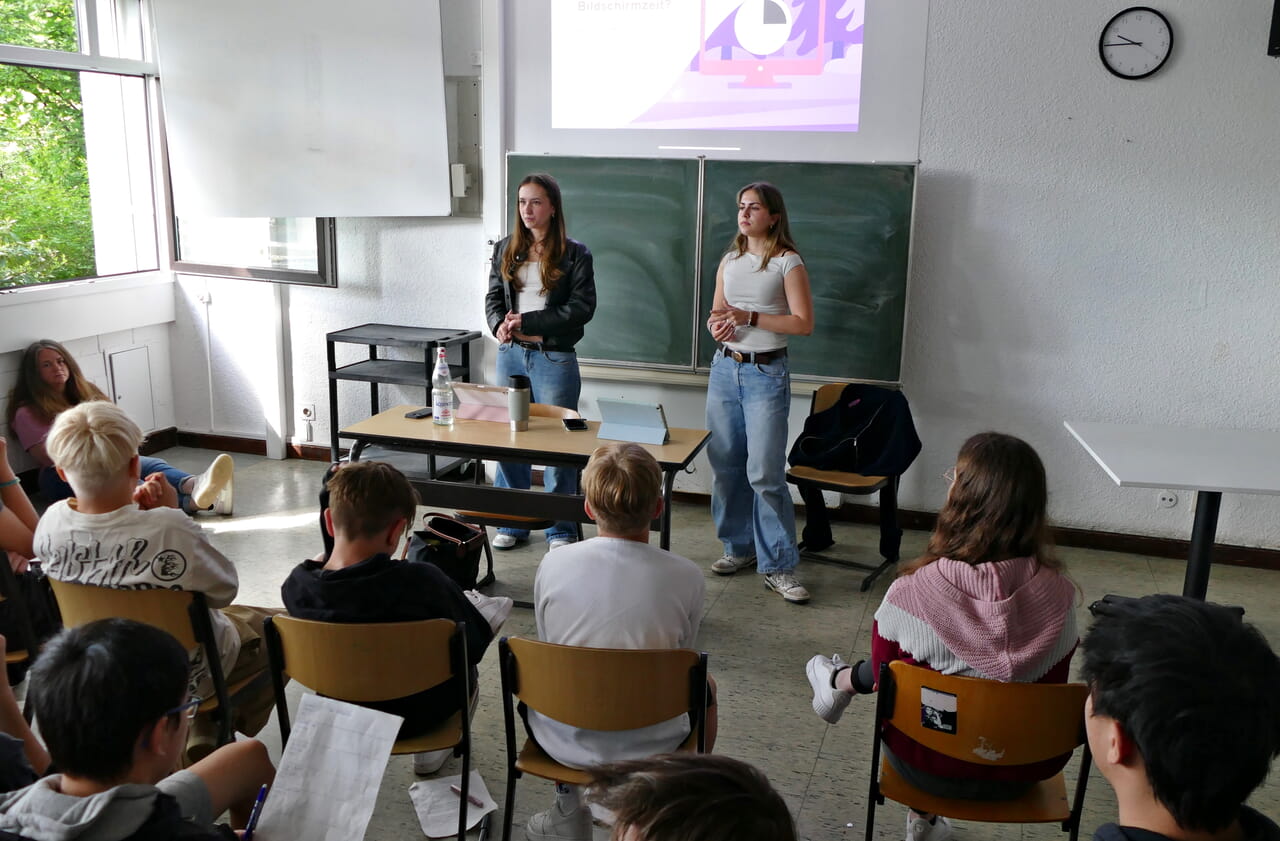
(113, 705)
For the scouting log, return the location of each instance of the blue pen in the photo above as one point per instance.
(254, 814)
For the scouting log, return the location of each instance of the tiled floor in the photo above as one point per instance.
(757, 645)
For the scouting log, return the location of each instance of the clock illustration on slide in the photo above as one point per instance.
(763, 26)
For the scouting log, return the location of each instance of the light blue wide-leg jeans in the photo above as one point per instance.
(747, 408)
(554, 379)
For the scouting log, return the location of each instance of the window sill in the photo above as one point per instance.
(90, 307)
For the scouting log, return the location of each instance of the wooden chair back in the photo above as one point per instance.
(604, 688)
(989, 722)
(826, 396)
(363, 662)
(168, 610)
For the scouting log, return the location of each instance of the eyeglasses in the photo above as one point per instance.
(188, 707)
(949, 475)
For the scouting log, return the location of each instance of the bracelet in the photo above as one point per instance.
(10, 483)
(754, 319)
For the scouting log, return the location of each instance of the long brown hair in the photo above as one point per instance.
(997, 506)
(31, 389)
(554, 245)
(779, 240)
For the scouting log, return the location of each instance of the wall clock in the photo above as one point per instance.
(1136, 42)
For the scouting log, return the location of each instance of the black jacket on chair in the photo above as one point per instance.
(869, 431)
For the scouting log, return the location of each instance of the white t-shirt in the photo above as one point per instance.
(608, 592)
(748, 288)
(530, 298)
(132, 549)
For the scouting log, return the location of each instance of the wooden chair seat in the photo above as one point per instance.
(19, 656)
(534, 760)
(1046, 802)
(447, 735)
(837, 480)
(488, 518)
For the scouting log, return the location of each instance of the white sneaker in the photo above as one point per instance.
(919, 829)
(430, 761)
(504, 541)
(730, 564)
(558, 542)
(828, 702)
(225, 503)
(494, 609)
(209, 484)
(557, 825)
(786, 585)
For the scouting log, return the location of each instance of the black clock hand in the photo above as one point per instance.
(1130, 41)
(1127, 43)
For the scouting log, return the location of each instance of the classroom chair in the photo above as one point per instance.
(184, 615)
(596, 689)
(513, 521)
(361, 662)
(988, 723)
(812, 481)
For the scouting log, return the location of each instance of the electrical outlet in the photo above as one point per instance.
(307, 412)
(1166, 499)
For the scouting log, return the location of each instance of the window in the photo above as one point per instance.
(76, 189)
(77, 164)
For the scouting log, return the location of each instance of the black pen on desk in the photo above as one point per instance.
(254, 814)
(484, 826)
(471, 798)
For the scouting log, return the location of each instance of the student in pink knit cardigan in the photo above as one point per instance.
(988, 599)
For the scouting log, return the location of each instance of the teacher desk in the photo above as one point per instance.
(545, 442)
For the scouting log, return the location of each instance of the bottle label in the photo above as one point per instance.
(442, 406)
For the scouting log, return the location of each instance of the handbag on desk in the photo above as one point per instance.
(450, 544)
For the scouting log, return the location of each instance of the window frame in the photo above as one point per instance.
(325, 274)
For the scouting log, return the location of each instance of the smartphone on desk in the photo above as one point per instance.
(575, 424)
(417, 414)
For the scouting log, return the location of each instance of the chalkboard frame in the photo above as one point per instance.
(884, 362)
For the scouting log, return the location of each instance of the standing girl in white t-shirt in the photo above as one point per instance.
(762, 297)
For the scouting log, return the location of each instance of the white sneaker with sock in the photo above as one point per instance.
(786, 585)
(730, 564)
(504, 541)
(568, 819)
(558, 542)
(430, 761)
(219, 475)
(828, 702)
(919, 829)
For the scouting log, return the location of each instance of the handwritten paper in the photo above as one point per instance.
(437, 806)
(330, 773)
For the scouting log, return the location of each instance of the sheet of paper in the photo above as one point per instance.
(437, 806)
(330, 773)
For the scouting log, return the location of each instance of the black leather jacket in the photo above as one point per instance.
(569, 306)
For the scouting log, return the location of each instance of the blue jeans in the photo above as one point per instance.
(554, 380)
(747, 408)
(53, 488)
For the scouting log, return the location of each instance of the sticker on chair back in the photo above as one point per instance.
(937, 710)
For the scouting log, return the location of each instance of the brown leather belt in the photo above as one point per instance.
(763, 357)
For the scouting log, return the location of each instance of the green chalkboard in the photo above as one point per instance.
(852, 224)
(639, 218)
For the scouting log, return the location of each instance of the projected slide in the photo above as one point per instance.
(771, 65)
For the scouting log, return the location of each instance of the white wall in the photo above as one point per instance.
(1085, 247)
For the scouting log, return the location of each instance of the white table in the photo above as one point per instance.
(1208, 461)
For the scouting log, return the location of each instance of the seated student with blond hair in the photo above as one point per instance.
(614, 591)
(114, 706)
(103, 537)
(370, 507)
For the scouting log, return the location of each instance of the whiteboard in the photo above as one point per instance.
(304, 107)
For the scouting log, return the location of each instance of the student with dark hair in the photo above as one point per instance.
(50, 382)
(1183, 718)
(691, 797)
(112, 701)
(988, 599)
(370, 507)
